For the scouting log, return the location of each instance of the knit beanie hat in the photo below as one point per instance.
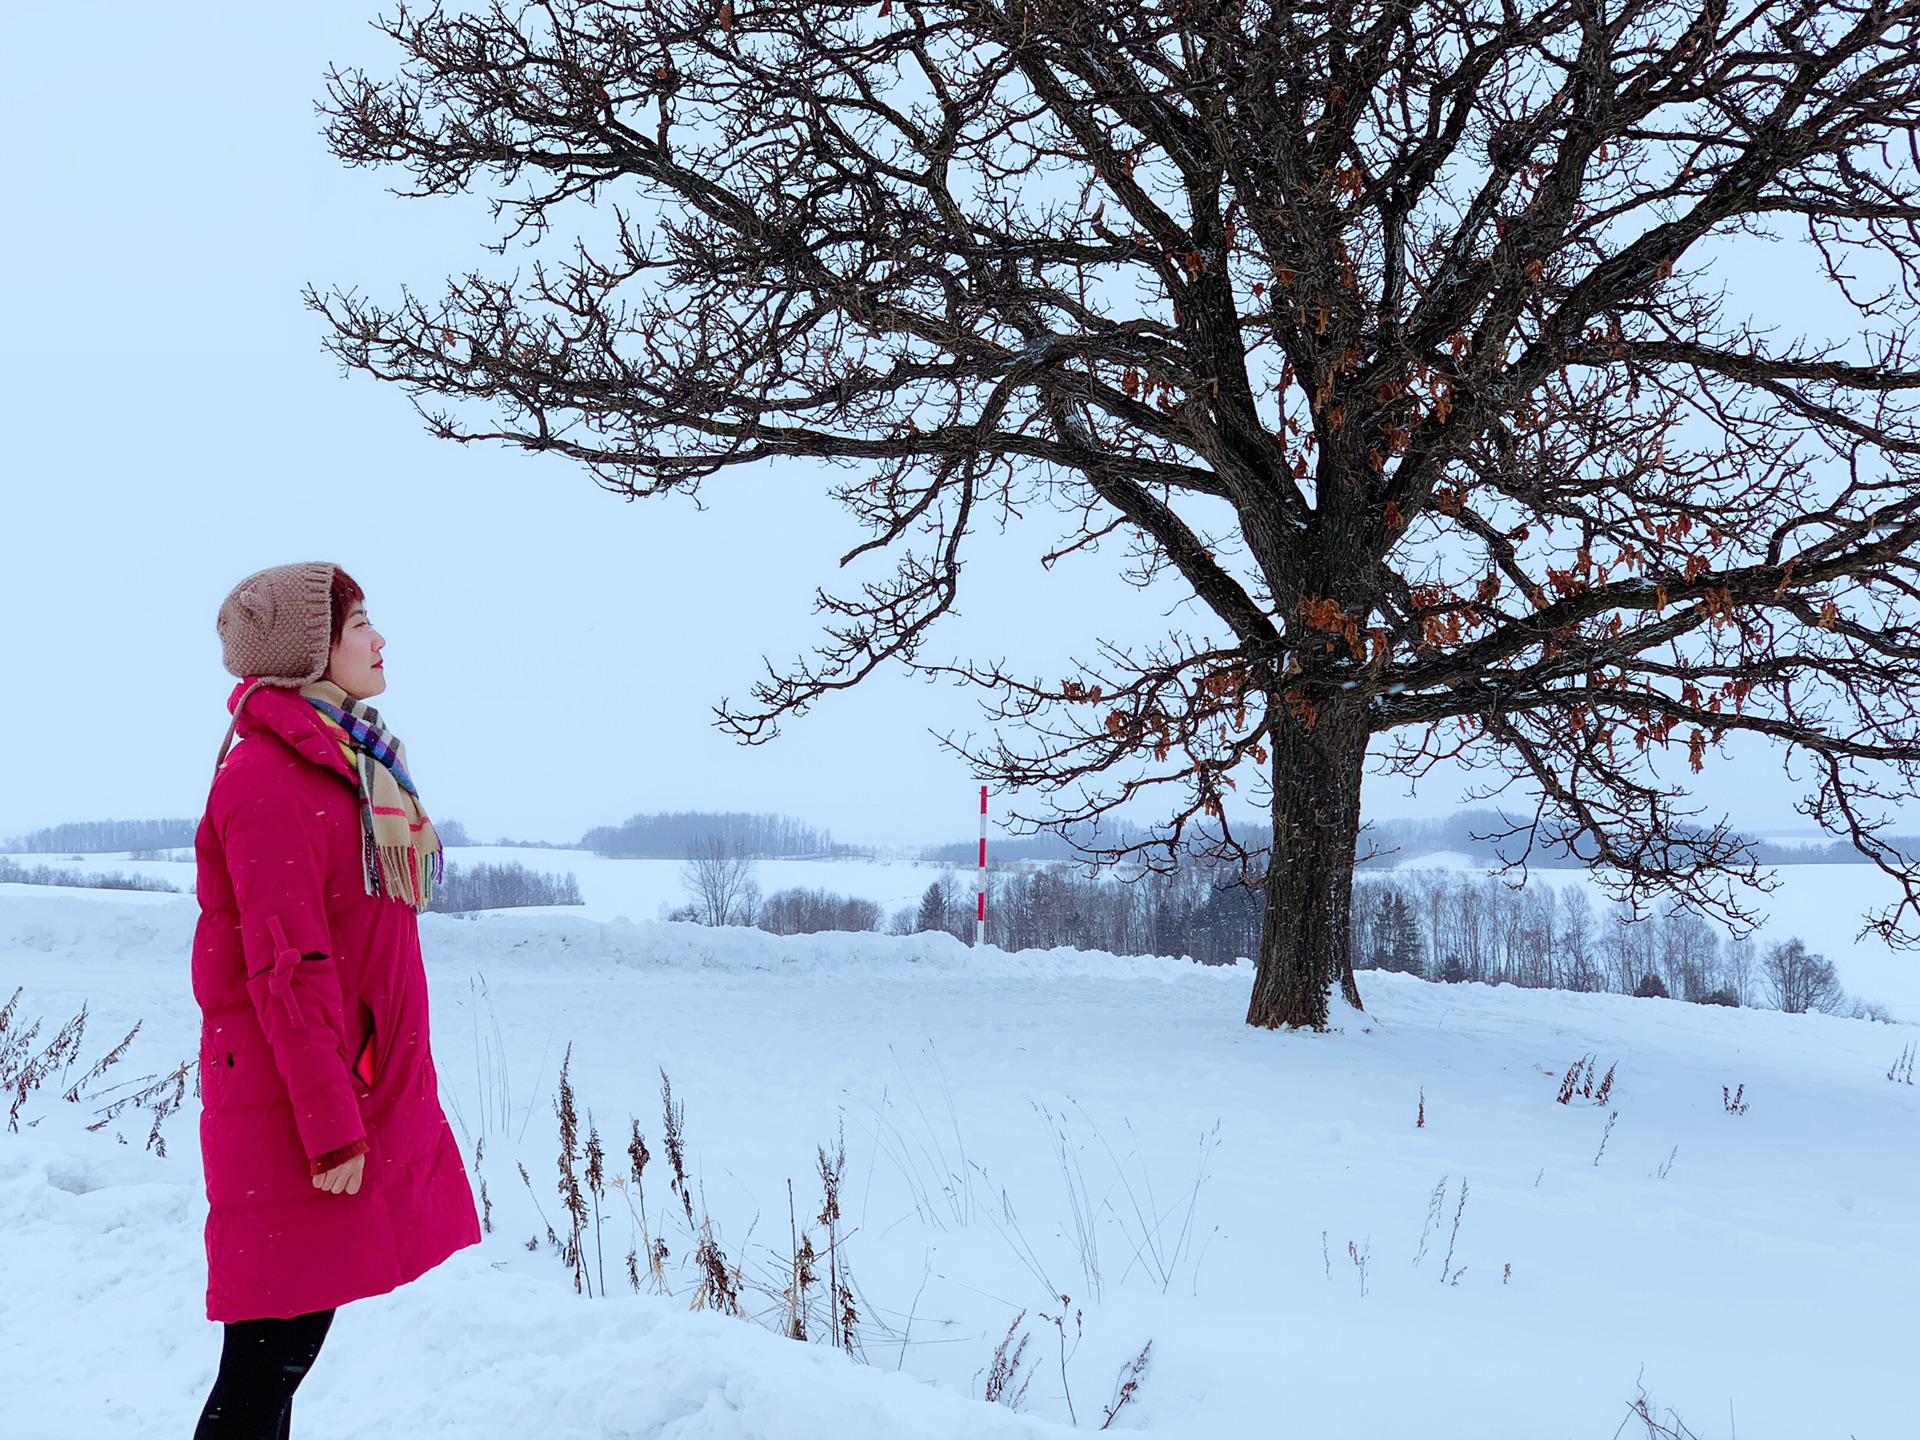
(278, 624)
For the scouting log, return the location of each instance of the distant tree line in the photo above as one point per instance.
(1473, 833)
(1183, 913)
(12, 873)
(1480, 835)
(1439, 925)
(502, 887)
(668, 836)
(1455, 927)
(105, 837)
(1059, 845)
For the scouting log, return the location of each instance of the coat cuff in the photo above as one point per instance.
(320, 1165)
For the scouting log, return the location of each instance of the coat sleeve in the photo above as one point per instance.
(275, 852)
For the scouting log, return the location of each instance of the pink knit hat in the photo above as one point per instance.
(277, 625)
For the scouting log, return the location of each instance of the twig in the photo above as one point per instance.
(1459, 1211)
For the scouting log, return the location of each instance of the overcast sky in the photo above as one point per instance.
(172, 423)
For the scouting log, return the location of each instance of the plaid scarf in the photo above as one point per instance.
(400, 854)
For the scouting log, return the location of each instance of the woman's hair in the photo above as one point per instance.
(344, 595)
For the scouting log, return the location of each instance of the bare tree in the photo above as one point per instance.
(1690, 956)
(1388, 329)
(1740, 964)
(1799, 980)
(720, 877)
(1576, 928)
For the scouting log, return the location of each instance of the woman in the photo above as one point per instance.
(331, 1172)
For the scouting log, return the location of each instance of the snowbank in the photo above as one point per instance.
(1393, 1229)
(133, 925)
(558, 937)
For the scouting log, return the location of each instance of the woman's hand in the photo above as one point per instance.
(342, 1179)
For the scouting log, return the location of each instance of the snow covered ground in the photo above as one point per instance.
(1020, 1128)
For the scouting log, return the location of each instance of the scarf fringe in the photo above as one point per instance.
(400, 878)
(396, 871)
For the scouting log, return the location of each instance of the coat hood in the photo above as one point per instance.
(286, 714)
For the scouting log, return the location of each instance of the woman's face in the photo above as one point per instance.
(355, 662)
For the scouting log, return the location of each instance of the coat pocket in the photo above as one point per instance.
(366, 1065)
(216, 1063)
(212, 1060)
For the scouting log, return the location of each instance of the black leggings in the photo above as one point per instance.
(262, 1363)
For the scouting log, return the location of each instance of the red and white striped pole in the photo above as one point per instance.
(980, 915)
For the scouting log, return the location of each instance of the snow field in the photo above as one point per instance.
(987, 1100)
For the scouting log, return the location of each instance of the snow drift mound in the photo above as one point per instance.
(137, 926)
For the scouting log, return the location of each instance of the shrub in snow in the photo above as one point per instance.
(25, 1067)
(808, 912)
(502, 887)
(1584, 1080)
(1901, 1071)
(707, 1277)
(1006, 1384)
(1651, 987)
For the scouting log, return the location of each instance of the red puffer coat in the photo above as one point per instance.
(314, 1040)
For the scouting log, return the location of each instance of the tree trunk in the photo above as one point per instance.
(1306, 942)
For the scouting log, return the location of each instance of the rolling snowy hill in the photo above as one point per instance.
(1395, 1229)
